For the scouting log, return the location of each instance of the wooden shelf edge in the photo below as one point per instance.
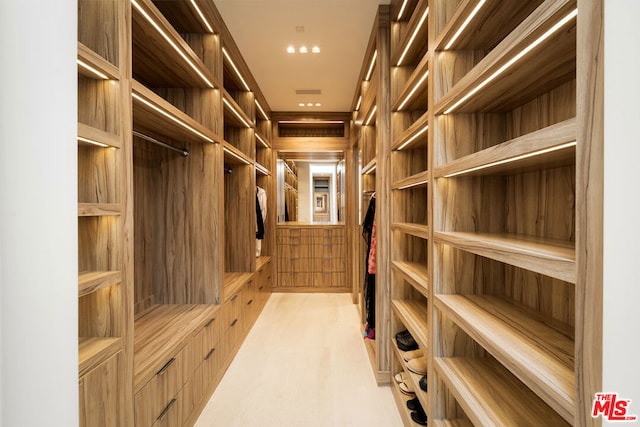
(412, 25)
(414, 78)
(233, 282)
(481, 386)
(422, 396)
(99, 209)
(420, 179)
(262, 261)
(462, 12)
(232, 107)
(93, 351)
(416, 127)
(417, 230)
(96, 61)
(369, 167)
(414, 317)
(401, 403)
(97, 135)
(234, 156)
(414, 273)
(541, 141)
(92, 281)
(452, 423)
(264, 138)
(551, 258)
(154, 104)
(513, 343)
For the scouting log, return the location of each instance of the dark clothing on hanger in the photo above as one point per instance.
(260, 232)
(369, 279)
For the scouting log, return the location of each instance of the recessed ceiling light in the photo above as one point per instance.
(291, 49)
(315, 49)
(301, 104)
(318, 104)
(310, 104)
(303, 49)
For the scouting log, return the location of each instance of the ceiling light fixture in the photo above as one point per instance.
(235, 112)
(465, 23)
(315, 49)
(171, 117)
(261, 110)
(413, 37)
(228, 58)
(513, 159)
(413, 138)
(373, 61)
(404, 5)
(91, 141)
(171, 42)
(371, 114)
(201, 15)
(513, 60)
(324, 122)
(415, 88)
(301, 104)
(291, 49)
(234, 155)
(318, 104)
(93, 70)
(303, 49)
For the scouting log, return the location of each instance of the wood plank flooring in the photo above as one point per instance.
(304, 363)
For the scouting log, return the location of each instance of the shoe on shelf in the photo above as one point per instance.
(401, 377)
(418, 365)
(406, 388)
(413, 404)
(413, 354)
(419, 416)
(405, 341)
(423, 383)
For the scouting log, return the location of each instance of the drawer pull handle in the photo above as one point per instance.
(166, 409)
(261, 270)
(209, 322)
(250, 301)
(209, 354)
(250, 282)
(166, 366)
(260, 288)
(234, 322)
(233, 298)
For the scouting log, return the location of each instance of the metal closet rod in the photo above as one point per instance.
(182, 151)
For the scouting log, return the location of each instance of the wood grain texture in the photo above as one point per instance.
(98, 135)
(102, 402)
(483, 387)
(419, 46)
(91, 281)
(99, 103)
(240, 219)
(92, 352)
(415, 273)
(413, 315)
(100, 314)
(202, 105)
(103, 14)
(412, 379)
(99, 176)
(94, 60)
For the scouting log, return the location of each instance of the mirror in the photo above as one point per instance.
(310, 187)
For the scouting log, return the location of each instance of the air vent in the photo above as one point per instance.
(308, 92)
(310, 129)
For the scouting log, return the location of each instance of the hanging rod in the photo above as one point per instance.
(182, 151)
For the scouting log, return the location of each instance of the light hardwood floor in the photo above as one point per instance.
(303, 364)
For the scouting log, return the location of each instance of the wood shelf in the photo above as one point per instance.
(259, 145)
(369, 96)
(234, 156)
(160, 331)
(262, 170)
(538, 355)
(161, 57)
(411, 131)
(233, 282)
(150, 114)
(415, 273)
(99, 209)
(547, 66)
(413, 316)
(233, 112)
(97, 135)
(94, 60)
(369, 167)
(497, 159)
(401, 402)
(410, 97)
(483, 386)
(419, 45)
(420, 179)
(422, 396)
(418, 230)
(92, 351)
(92, 281)
(552, 258)
(451, 423)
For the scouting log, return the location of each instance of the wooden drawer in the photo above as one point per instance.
(154, 397)
(100, 392)
(293, 250)
(230, 311)
(328, 251)
(206, 338)
(329, 279)
(173, 414)
(294, 265)
(321, 265)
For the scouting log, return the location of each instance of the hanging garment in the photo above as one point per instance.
(371, 262)
(261, 214)
(369, 279)
(259, 221)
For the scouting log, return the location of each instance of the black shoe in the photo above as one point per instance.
(405, 341)
(419, 416)
(413, 404)
(423, 383)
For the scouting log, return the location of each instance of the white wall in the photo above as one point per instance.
(621, 202)
(38, 214)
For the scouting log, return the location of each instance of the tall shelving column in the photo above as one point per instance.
(371, 117)
(105, 282)
(504, 285)
(411, 189)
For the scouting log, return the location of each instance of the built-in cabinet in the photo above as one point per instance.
(490, 153)
(173, 137)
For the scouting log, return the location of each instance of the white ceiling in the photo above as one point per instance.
(263, 29)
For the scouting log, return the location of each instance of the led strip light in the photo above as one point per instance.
(262, 141)
(413, 184)
(371, 114)
(465, 23)
(170, 117)
(513, 159)
(173, 45)
(413, 138)
(262, 169)
(204, 20)
(513, 60)
(415, 88)
(235, 113)
(261, 110)
(228, 58)
(358, 103)
(413, 37)
(235, 156)
(404, 5)
(91, 141)
(373, 62)
(93, 70)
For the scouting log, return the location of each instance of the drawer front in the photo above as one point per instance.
(329, 279)
(99, 390)
(172, 414)
(328, 250)
(154, 397)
